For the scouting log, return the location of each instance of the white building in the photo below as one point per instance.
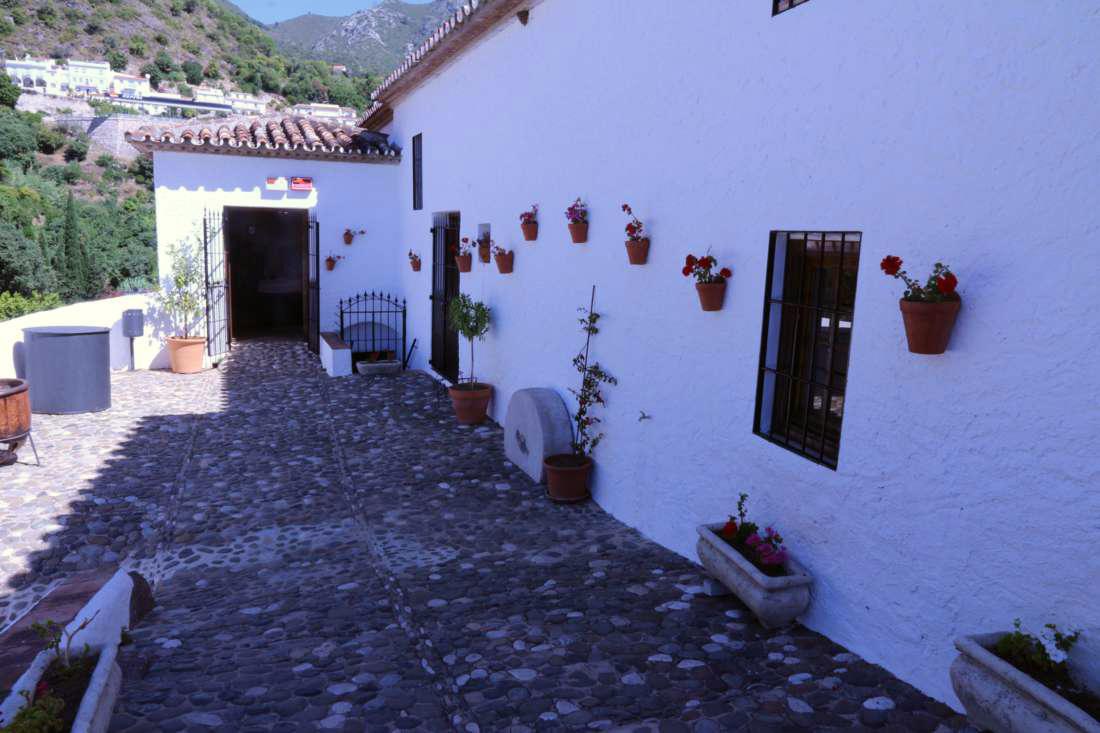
(947, 494)
(246, 104)
(41, 75)
(320, 111)
(130, 86)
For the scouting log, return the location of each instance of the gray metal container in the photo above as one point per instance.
(133, 323)
(68, 368)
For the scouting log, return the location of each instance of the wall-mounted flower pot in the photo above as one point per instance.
(186, 354)
(415, 265)
(928, 326)
(484, 252)
(330, 263)
(776, 601)
(465, 262)
(711, 295)
(567, 477)
(579, 232)
(505, 262)
(349, 237)
(530, 230)
(1001, 698)
(471, 402)
(637, 250)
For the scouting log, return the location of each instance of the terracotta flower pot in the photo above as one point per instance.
(330, 263)
(506, 262)
(530, 230)
(483, 252)
(186, 354)
(567, 477)
(471, 402)
(349, 237)
(15, 408)
(928, 325)
(465, 262)
(711, 295)
(579, 232)
(637, 250)
(415, 265)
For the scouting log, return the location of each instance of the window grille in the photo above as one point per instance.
(418, 172)
(809, 302)
(778, 6)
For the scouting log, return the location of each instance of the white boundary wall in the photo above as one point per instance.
(966, 493)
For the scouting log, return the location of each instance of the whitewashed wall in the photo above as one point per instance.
(345, 195)
(966, 493)
(149, 350)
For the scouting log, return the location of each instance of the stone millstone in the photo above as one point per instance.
(141, 600)
(536, 425)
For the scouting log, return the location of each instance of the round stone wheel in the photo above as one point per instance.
(536, 425)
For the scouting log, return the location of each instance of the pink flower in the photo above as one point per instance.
(753, 540)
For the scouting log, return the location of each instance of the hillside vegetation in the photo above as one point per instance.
(188, 42)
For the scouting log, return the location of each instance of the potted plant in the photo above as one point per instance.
(464, 257)
(470, 398)
(414, 261)
(929, 310)
(484, 248)
(637, 243)
(1015, 681)
(505, 259)
(577, 215)
(182, 299)
(529, 223)
(349, 235)
(331, 260)
(710, 285)
(755, 567)
(567, 474)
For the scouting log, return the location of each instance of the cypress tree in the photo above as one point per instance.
(75, 272)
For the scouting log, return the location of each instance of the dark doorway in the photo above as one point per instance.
(268, 271)
(445, 228)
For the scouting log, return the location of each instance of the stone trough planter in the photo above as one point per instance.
(1001, 698)
(377, 368)
(775, 601)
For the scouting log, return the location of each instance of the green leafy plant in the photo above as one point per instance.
(470, 319)
(42, 714)
(182, 295)
(1043, 658)
(14, 305)
(60, 639)
(589, 396)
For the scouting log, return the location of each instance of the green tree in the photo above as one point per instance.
(138, 46)
(193, 71)
(77, 149)
(21, 267)
(50, 139)
(212, 71)
(117, 60)
(156, 76)
(141, 170)
(164, 62)
(17, 136)
(74, 258)
(9, 92)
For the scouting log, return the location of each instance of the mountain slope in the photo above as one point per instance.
(375, 40)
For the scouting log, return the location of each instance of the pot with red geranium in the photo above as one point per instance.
(577, 215)
(637, 243)
(567, 474)
(470, 318)
(464, 257)
(529, 223)
(414, 261)
(505, 259)
(710, 284)
(756, 567)
(929, 310)
(331, 260)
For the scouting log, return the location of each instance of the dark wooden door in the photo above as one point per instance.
(313, 277)
(445, 285)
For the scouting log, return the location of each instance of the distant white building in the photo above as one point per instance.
(89, 77)
(130, 86)
(41, 75)
(320, 111)
(209, 94)
(245, 103)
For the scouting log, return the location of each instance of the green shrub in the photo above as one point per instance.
(67, 174)
(50, 139)
(9, 92)
(138, 46)
(14, 305)
(117, 60)
(17, 135)
(77, 149)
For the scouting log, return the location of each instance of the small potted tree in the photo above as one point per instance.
(567, 474)
(464, 257)
(577, 216)
(505, 259)
(929, 310)
(414, 261)
(756, 567)
(529, 223)
(182, 300)
(470, 398)
(1016, 681)
(710, 285)
(637, 243)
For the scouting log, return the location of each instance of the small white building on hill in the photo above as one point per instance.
(799, 143)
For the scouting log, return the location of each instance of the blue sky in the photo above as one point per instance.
(270, 11)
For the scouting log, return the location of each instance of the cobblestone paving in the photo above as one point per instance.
(340, 555)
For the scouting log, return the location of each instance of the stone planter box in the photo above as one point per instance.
(1001, 698)
(98, 703)
(377, 368)
(775, 601)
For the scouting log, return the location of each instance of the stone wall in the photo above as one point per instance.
(108, 133)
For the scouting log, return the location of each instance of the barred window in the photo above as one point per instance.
(809, 302)
(418, 172)
(778, 6)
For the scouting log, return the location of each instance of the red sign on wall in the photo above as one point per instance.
(300, 183)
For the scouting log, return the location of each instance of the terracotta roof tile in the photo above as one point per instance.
(284, 137)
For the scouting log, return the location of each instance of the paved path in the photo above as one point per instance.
(340, 555)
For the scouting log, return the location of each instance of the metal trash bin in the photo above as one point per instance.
(68, 368)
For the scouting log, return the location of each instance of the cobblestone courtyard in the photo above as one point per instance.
(338, 554)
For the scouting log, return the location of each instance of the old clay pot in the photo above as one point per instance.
(186, 354)
(637, 250)
(471, 402)
(711, 295)
(530, 230)
(928, 326)
(579, 232)
(567, 477)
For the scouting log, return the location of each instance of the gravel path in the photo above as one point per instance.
(340, 555)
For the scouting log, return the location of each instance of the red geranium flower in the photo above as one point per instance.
(691, 261)
(686, 270)
(891, 265)
(730, 529)
(725, 272)
(947, 283)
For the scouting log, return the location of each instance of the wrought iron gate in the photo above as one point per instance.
(216, 276)
(313, 296)
(445, 286)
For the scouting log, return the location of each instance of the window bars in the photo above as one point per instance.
(418, 172)
(778, 6)
(374, 326)
(809, 301)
